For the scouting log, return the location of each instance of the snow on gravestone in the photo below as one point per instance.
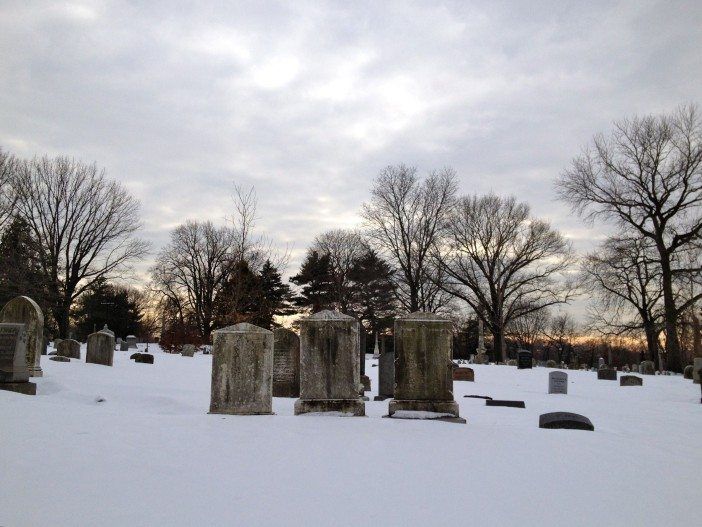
(423, 368)
(14, 375)
(69, 348)
(558, 382)
(329, 365)
(24, 310)
(100, 348)
(242, 370)
(286, 363)
(386, 376)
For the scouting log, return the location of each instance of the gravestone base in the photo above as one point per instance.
(345, 407)
(435, 407)
(382, 397)
(240, 411)
(27, 388)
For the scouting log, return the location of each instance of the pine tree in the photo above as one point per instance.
(276, 296)
(316, 282)
(103, 304)
(240, 298)
(374, 298)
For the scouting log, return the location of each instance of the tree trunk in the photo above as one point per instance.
(652, 343)
(672, 342)
(498, 343)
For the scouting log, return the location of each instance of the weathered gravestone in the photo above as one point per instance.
(565, 420)
(69, 348)
(551, 363)
(131, 342)
(108, 330)
(56, 343)
(601, 362)
(14, 375)
(512, 362)
(123, 346)
(647, 368)
(687, 374)
(463, 374)
(524, 359)
(386, 376)
(100, 348)
(696, 370)
(423, 368)
(606, 374)
(188, 350)
(242, 370)
(558, 382)
(24, 310)
(142, 358)
(329, 365)
(630, 380)
(286, 363)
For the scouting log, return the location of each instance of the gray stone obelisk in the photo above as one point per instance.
(423, 368)
(242, 370)
(329, 365)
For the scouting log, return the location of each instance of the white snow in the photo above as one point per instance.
(149, 454)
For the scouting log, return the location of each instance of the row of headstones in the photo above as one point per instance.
(247, 372)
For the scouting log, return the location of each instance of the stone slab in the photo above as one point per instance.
(566, 421)
(338, 407)
(605, 374)
(26, 388)
(286, 363)
(463, 374)
(510, 404)
(630, 380)
(24, 310)
(558, 382)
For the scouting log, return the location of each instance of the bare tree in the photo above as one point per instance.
(343, 247)
(503, 262)
(191, 270)
(647, 176)
(625, 279)
(404, 215)
(8, 166)
(529, 328)
(560, 335)
(84, 224)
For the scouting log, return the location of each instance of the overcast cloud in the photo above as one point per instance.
(308, 100)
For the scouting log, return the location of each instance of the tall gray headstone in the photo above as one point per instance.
(423, 368)
(329, 365)
(386, 376)
(100, 348)
(558, 382)
(14, 375)
(131, 342)
(286, 363)
(24, 310)
(69, 348)
(242, 370)
(188, 350)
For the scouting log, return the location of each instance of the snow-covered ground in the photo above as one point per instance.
(151, 455)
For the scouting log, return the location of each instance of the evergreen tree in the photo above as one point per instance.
(240, 298)
(316, 282)
(20, 269)
(374, 299)
(276, 296)
(107, 304)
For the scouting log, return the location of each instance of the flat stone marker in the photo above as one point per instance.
(630, 380)
(510, 404)
(14, 374)
(330, 373)
(286, 363)
(605, 374)
(69, 348)
(463, 374)
(565, 420)
(524, 359)
(242, 371)
(100, 348)
(24, 310)
(59, 358)
(558, 382)
(486, 397)
(187, 351)
(424, 369)
(386, 376)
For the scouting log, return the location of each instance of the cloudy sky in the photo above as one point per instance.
(308, 100)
